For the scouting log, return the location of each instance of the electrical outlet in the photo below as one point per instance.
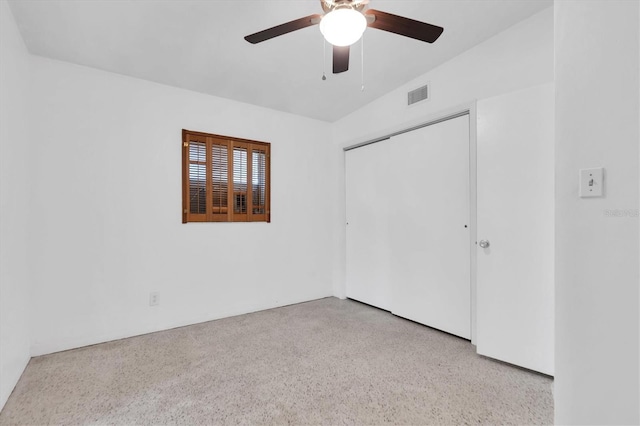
(154, 298)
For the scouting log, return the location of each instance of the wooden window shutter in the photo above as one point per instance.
(195, 188)
(241, 197)
(259, 178)
(220, 171)
(224, 179)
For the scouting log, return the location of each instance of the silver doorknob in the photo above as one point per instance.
(484, 243)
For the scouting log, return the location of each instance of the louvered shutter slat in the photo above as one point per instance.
(259, 181)
(219, 178)
(239, 180)
(197, 178)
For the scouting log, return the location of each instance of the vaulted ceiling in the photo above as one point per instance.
(198, 45)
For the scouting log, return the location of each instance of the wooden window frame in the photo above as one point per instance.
(230, 215)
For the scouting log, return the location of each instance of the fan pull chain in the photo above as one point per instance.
(324, 58)
(362, 63)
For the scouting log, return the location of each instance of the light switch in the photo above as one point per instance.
(591, 182)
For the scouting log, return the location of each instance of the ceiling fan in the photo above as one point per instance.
(344, 22)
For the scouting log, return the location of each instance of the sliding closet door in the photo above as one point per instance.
(408, 242)
(368, 251)
(429, 231)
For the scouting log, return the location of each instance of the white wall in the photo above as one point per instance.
(519, 57)
(107, 192)
(14, 204)
(597, 274)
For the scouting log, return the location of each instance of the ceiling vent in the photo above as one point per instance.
(420, 94)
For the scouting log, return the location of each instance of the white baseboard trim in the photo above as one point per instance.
(9, 380)
(48, 347)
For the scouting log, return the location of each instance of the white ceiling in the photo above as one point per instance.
(199, 45)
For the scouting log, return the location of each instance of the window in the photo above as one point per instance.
(224, 179)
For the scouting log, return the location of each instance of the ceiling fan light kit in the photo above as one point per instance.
(343, 24)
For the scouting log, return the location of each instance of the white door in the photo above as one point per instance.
(367, 202)
(429, 230)
(515, 285)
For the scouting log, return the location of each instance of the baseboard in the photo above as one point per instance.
(9, 383)
(44, 348)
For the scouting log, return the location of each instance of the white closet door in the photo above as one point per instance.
(429, 235)
(367, 198)
(515, 283)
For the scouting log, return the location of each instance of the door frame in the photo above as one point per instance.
(443, 115)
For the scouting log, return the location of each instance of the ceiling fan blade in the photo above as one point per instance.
(404, 26)
(285, 28)
(340, 59)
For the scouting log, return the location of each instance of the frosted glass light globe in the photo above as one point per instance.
(343, 27)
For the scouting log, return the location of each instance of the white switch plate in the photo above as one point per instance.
(591, 182)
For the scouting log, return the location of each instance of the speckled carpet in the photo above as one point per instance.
(327, 362)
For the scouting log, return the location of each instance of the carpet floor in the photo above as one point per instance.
(327, 362)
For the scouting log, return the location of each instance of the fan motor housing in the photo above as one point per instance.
(329, 5)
